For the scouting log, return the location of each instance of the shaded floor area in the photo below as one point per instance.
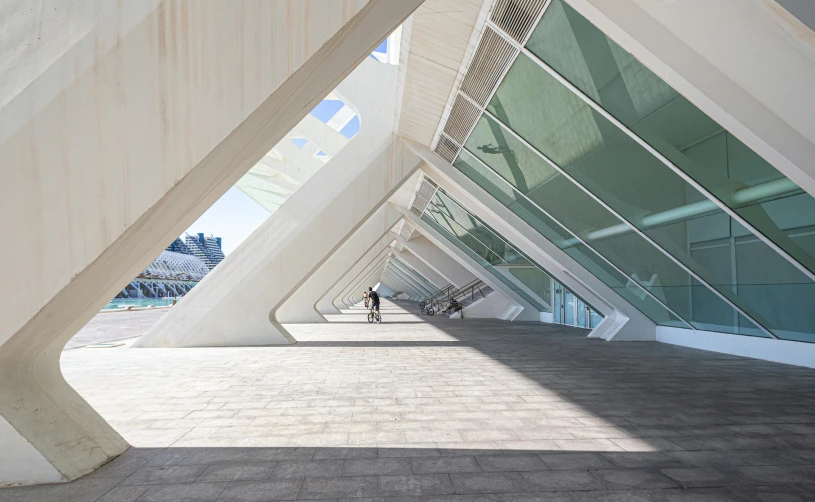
(426, 408)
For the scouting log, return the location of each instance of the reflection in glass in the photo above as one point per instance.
(676, 128)
(626, 177)
(497, 256)
(505, 193)
(631, 253)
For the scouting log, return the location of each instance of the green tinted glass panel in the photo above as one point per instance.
(676, 128)
(555, 233)
(573, 208)
(534, 279)
(517, 270)
(629, 179)
(485, 237)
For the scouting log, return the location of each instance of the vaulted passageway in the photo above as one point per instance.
(421, 407)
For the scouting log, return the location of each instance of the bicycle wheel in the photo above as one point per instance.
(379, 318)
(421, 305)
(370, 317)
(430, 311)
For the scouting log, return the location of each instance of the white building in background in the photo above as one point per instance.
(621, 166)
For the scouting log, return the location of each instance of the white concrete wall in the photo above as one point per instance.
(494, 306)
(120, 124)
(781, 351)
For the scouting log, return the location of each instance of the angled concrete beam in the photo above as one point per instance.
(351, 281)
(113, 148)
(412, 272)
(438, 260)
(353, 293)
(624, 321)
(411, 259)
(235, 304)
(410, 283)
(404, 287)
(302, 305)
(325, 305)
(525, 311)
(352, 290)
(707, 52)
(411, 277)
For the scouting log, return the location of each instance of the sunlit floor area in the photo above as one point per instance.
(427, 408)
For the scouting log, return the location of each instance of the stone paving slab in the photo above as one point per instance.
(425, 409)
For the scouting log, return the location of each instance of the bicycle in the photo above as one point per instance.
(428, 309)
(373, 316)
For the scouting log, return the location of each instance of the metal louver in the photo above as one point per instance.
(421, 198)
(517, 17)
(407, 231)
(461, 120)
(491, 59)
(447, 149)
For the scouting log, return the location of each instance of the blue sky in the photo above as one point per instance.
(232, 218)
(235, 215)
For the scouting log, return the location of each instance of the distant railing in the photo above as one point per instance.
(465, 295)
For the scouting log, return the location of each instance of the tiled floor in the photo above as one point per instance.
(445, 411)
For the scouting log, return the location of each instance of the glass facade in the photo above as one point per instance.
(499, 258)
(672, 125)
(613, 166)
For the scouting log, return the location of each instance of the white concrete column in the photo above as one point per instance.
(301, 306)
(235, 304)
(438, 260)
(524, 312)
(422, 267)
(622, 321)
(119, 127)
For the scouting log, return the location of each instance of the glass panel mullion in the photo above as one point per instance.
(637, 295)
(733, 174)
(596, 154)
(580, 214)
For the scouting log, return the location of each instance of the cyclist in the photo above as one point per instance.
(365, 297)
(374, 297)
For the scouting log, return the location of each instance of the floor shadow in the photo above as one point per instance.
(424, 474)
(645, 421)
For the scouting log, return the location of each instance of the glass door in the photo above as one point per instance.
(557, 303)
(569, 305)
(582, 314)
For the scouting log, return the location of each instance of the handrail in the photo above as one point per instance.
(449, 292)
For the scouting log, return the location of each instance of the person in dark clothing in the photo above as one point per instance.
(374, 298)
